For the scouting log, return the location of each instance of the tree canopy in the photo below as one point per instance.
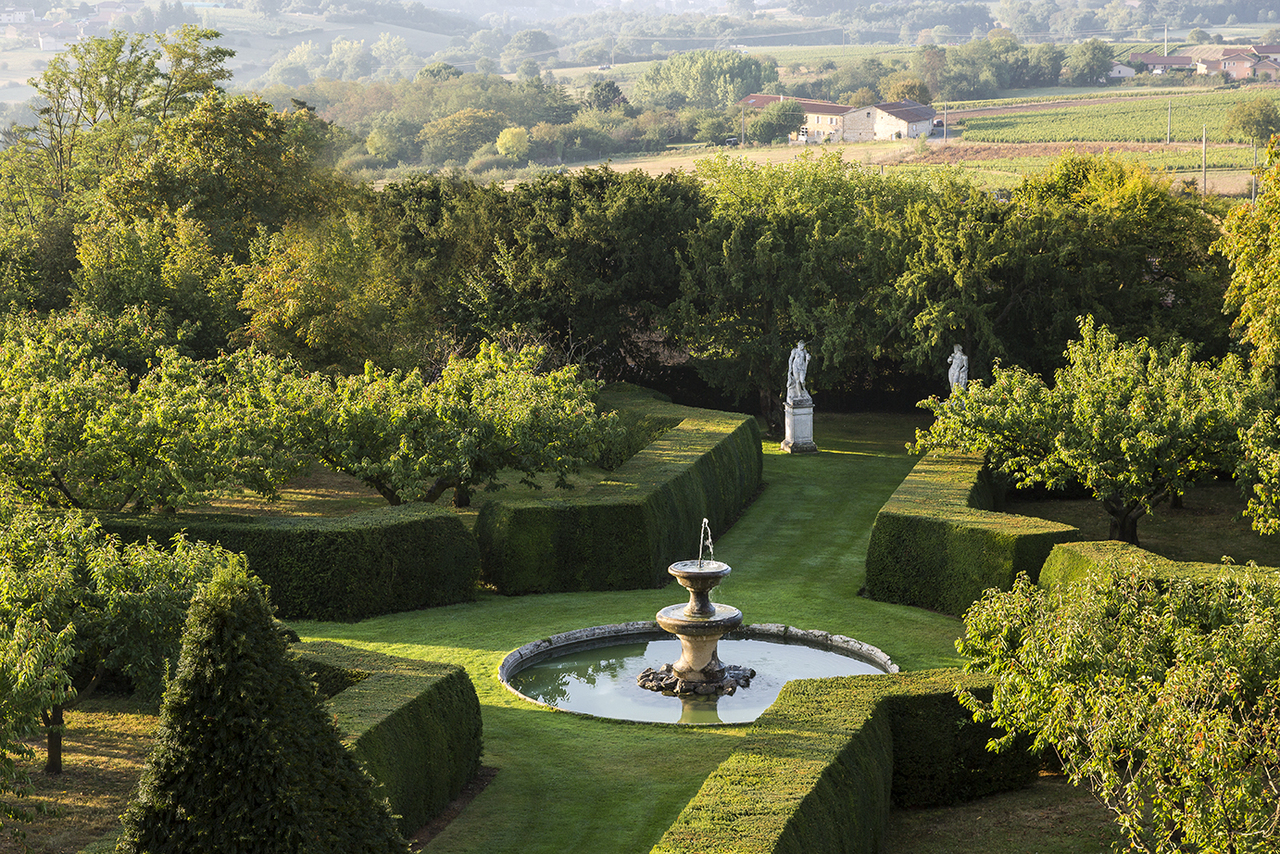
(1251, 241)
(1134, 423)
(1162, 694)
(119, 608)
(412, 440)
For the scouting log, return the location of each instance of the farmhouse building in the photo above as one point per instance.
(893, 120)
(825, 121)
(1119, 71)
(1159, 64)
(13, 15)
(1237, 63)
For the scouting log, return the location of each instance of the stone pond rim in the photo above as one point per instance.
(601, 637)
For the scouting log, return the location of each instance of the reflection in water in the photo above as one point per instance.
(602, 682)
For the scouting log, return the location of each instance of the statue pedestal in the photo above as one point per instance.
(799, 426)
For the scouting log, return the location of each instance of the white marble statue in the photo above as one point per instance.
(797, 368)
(958, 373)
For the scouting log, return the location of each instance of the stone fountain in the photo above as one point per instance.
(699, 625)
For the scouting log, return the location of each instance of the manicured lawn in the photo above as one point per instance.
(1209, 526)
(568, 784)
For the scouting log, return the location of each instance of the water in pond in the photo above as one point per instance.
(602, 681)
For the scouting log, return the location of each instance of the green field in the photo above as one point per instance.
(1132, 120)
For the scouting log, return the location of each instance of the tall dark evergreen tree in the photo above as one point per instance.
(246, 759)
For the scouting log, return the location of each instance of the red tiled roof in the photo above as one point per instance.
(823, 108)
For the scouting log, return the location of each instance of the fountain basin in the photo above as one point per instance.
(592, 671)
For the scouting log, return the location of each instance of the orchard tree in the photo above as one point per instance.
(1251, 241)
(1162, 694)
(80, 431)
(34, 672)
(1133, 423)
(121, 607)
(411, 440)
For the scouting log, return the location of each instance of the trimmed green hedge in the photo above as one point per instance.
(341, 568)
(1072, 562)
(935, 544)
(820, 767)
(623, 532)
(415, 725)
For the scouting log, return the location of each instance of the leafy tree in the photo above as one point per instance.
(97, 102)
(1134, 424)
(514, 143)
(1090, 62)
(1257, 120)
(603, 95)
(592, 262)
(234, 165)
(322, 294)
(864, 97)
(34, 664)
(246, 757)
(1162, 694)
(786, 254)
(166, 266)
(438, 71)
(776, 121)
(183, 431)
(1093, 235)
(705, 78)
(1045, 66)
(906, 88)
(456, 136)
(411, 440)
(121, 607)
(1251, 241)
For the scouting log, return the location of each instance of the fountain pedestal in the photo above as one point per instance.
(699, 625)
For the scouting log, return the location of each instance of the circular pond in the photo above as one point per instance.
(593, 671)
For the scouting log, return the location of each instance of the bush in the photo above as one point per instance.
(349, 568)
(819, 769)
(936, 545)
(1070, 563)
(246, 759)
(414, 725)
(627, 529)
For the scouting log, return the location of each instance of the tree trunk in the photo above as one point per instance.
(1124, 527)
(771, 411)
(385, 491)
(52, 720)
(461, 496)
(1125, 516)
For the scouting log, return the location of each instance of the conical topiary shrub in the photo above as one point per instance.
(246, 759)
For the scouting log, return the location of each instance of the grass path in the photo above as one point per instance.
(567, 784)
